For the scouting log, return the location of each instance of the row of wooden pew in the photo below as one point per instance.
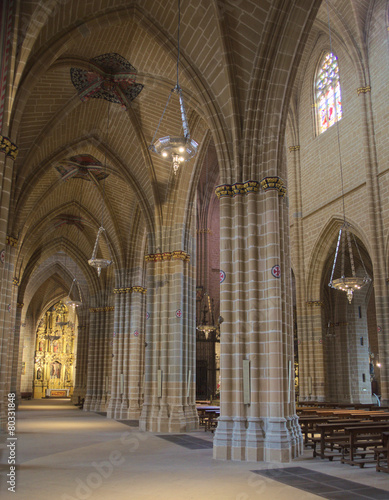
(355, 436)
(208, 416)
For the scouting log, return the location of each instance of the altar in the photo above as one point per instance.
(57, 393)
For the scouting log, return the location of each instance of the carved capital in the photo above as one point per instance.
(166, 256)
(294, 148)
(101, 309)
(316, 303)
(8, 148)
(132, 289)
(11, 241)
(276, 183)
(363, 90)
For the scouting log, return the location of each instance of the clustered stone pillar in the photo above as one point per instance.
(80, 382)
(258, 419)
(128, 353)
(99, 358)
(8, 296)
(169, 404)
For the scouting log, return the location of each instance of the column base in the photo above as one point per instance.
(274, 440)
(175, 419)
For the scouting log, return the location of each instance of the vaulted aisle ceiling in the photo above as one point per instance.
(224, 48)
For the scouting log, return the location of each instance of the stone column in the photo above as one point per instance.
(80, 382)
(258, 419)
(358, 349)
(129, 345)
(8, 153)
(169, 404)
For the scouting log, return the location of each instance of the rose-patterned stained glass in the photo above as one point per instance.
(328, 95)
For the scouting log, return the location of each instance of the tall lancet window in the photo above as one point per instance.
(327, 93)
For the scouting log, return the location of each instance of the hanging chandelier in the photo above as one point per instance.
(94, 261)
(177, 149)
(101, 263)
(351, 283)
(348, 284)
(72, 302)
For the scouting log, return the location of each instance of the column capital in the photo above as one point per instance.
(11, 241)
(8, 147)
(317, 303)
(363, 90)
(294, 148)
(131, 289)
(101, 309)
(166, 256)
(243, 188)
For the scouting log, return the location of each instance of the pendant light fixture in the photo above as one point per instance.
(94, 261)
(72, 302)
(348, 284)
(182, 148)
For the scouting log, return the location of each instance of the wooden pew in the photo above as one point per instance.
(333, 435)
(382, 454)
(363, 439)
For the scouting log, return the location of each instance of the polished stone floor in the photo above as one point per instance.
(64, 453)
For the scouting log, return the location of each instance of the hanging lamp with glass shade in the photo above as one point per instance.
(177, 149)
(94, 261)
(73, 303)
(348, 284)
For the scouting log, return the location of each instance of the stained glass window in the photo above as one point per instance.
(327, 93)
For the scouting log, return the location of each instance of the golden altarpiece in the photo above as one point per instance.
(54, 353)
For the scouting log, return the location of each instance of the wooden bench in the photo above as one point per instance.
(211, 419)
(382, 454)
(333, 436)
(363, 440)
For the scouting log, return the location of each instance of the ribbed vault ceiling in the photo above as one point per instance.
(223, 44)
